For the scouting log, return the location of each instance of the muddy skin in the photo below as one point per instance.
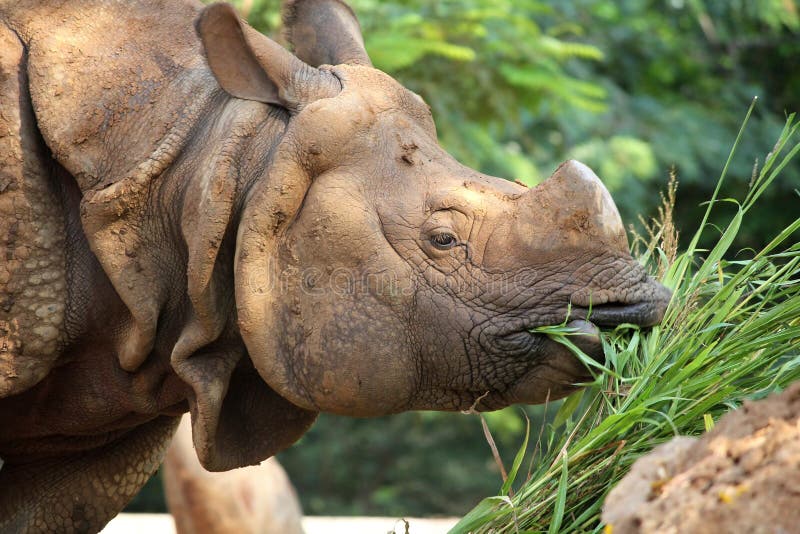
(196, 219)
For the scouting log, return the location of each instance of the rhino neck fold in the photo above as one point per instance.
(209, 355)
(235, 156)
(159, 231)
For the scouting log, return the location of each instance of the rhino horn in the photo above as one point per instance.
(573, 209)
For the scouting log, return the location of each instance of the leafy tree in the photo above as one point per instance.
(680, 76)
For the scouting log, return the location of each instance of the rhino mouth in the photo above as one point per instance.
(520, 340)
(515, 338)
(525, 343)
(646, 311)
(550, 369)
(643, 314)
(586, 322)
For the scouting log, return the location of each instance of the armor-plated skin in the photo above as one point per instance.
(195, 219)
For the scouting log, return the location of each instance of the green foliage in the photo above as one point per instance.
(732, 332)
(618, 159)
(678, 75)
(483, 66)
(409, 464)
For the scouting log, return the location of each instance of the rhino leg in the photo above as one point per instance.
(255, 499)
(33, 289)
(82, 492)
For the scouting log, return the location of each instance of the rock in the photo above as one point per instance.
(743, 476)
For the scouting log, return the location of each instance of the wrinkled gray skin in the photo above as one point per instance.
(192, 218)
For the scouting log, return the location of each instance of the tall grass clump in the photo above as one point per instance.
(732, 332)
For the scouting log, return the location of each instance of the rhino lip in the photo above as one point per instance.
(523, 342)
(644, 313)
(517, 339)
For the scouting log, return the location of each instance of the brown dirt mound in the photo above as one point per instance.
(743, 476)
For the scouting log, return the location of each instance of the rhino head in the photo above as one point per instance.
(374, 273)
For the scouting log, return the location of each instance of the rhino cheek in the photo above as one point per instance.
(352, 362)
(330, 340)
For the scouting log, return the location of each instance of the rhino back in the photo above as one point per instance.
(111, 81)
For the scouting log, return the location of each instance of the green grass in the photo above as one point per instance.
(732, 332)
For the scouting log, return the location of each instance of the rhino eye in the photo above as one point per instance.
(444, 241)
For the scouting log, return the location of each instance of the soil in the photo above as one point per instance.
(743, 476)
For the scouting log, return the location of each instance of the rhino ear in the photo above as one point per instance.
(324, 32)
(251, 66)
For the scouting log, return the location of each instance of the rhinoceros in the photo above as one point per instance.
(193, 218)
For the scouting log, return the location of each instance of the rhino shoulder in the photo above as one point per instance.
(32, 233)
(117, 91)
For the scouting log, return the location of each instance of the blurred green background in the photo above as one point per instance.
(636, 90)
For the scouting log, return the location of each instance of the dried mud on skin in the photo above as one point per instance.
(743, 476)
